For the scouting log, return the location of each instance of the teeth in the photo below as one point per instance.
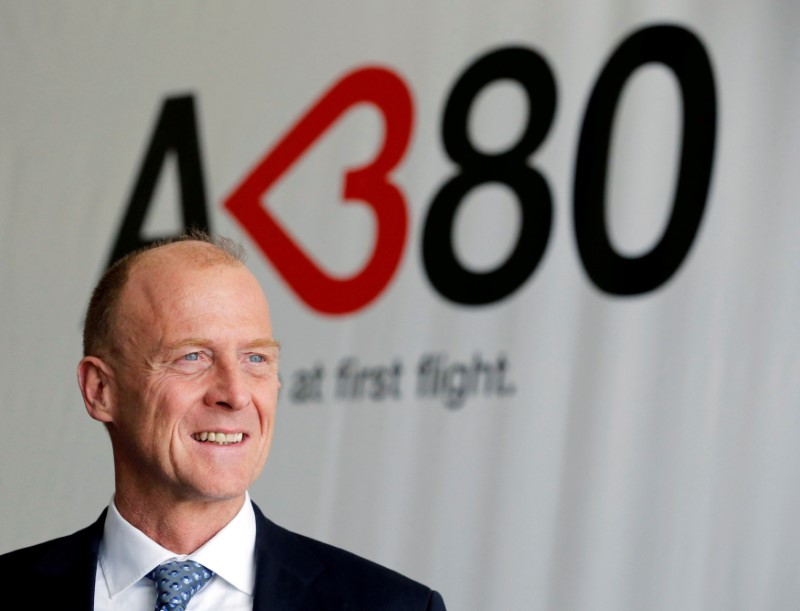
(219, 438)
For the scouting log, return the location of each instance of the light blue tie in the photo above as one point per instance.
(177, 581)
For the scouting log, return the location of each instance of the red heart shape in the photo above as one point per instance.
(368, 185)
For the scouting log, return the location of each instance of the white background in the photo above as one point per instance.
(649, 457)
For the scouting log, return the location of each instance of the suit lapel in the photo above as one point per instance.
(69, 568)
(86, 571)
(285, 571)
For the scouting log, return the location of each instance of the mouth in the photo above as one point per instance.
(221, 439)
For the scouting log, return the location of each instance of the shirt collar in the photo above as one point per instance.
(127, 554)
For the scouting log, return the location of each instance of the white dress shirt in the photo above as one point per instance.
(127, 555)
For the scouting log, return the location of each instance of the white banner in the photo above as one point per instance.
(532, 266)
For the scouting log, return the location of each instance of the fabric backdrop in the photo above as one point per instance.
(533, 266)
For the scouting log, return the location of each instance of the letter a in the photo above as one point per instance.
(176, 130)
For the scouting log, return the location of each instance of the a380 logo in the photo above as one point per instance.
(674, 47)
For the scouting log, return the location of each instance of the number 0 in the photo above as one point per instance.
(682, 52)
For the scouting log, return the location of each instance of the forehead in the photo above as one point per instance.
(184, 255)
(187, 284)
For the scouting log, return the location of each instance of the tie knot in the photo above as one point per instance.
(177, 581)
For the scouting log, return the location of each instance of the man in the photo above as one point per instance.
(181, 367)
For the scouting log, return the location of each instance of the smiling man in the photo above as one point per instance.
(181, 366)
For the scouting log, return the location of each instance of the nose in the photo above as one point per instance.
(227, 386)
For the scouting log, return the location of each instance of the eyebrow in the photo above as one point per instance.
(266, 342)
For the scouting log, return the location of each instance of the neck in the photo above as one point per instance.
(179, 526)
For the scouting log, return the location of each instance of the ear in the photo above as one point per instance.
(96, 381)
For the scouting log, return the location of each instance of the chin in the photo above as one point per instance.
(226, 492)
(219, 495)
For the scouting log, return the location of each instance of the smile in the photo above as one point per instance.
(222, 439)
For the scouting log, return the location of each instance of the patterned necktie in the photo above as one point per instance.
(177, 581)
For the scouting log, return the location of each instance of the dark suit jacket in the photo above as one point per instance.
(293, 573)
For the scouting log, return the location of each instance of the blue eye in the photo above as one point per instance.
(256, 358)
(192, 356)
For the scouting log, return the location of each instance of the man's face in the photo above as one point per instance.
(196, 361)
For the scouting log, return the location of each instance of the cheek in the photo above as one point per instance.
(170, 407)
(267, 406)
(154, 408)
